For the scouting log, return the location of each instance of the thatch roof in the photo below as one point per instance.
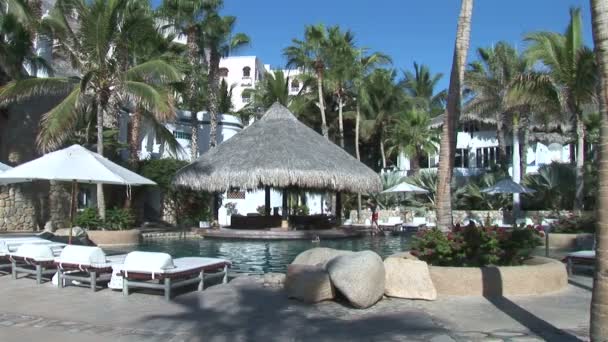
(280, 152)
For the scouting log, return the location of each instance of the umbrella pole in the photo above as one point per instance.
(72, 209)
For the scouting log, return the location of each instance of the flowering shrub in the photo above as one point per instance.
(572, 224)
(476, 246)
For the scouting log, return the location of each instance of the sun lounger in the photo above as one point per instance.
(10, 245)
(580, 258)
(84, 264)
(159, 271)
(34, 259)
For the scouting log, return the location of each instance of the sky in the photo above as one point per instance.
(407, 30)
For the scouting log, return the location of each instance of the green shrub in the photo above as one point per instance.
(476, 246)
(88, 218)
(301, 210)
(574, 224)
(118, 219)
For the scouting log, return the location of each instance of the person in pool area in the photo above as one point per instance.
(375, 227)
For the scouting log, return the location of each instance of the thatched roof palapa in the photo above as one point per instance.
(281, 152)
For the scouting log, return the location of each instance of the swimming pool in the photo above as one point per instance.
(259, 256)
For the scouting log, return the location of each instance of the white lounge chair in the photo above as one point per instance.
(84, 264)
(580, 258)
(34, 259)
(159, 271)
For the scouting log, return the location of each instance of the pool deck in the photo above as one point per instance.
(248, 311)
(280, 234)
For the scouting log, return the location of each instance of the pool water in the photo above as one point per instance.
(263, 256)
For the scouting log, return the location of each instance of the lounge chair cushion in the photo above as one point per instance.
(35, 251)
(582, 254)
(82, 255)
(149, 262)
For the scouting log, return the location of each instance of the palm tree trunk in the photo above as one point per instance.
(135, 133)
(358, 154)
(599, 301)
(340, 120)
(191, 83)
(324, 130)
(101, 202)
(580, 163)
(214, 66)
(382, 152)
(502, 143)
(448, 136)
(525, 143)
(415, 162)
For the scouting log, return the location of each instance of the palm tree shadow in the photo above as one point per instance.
(254, 313)
(493, 292)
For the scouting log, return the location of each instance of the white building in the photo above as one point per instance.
(477, 149)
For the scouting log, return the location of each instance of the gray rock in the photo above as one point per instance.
(76, 232)
(308, 283)
(408, 279)
(318, 255)
(359, 276)
(274, 279)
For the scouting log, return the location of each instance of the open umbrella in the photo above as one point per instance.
(74, 164)
(405, 187)
(507, 186)
(4, 167)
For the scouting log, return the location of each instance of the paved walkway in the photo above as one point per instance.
(251, 312)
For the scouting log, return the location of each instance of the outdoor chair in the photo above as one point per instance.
(84, 264)
(33, 259)
(159, 271)
(10, 245)
(584, 259)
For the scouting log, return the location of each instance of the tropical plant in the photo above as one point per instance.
(310, 55)
(274, 87)
(411, 135)
(554, 186)
(569, 76)
(99, 53)
(419, 87)
(448, 137)
(470, 196)
(218, 40)
(225, 97)
(88, 219)
(426, 179)
(119, 219)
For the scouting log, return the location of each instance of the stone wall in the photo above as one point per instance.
(17, 209)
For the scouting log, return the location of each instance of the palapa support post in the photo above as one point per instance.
(267, 200)
(284, 213)
(338, 208)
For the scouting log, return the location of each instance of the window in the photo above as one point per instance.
(486, 156)
(461, 158)
(295, 85)
(246, 71)
(235, 194)
(245, 98)
(223, 72)
(182, 135)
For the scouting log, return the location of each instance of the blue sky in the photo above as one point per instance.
(407, 30)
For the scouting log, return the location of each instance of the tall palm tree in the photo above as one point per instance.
(491, 82)
(185, 17)
(448, 136)
(106, 83)
(411, 135)
(273, 88)
(219, 40)
(599, 300)
(571, 76)
(310, 55)
(420, 87)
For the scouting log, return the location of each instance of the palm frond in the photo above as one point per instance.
(57, 125)
(17, 91)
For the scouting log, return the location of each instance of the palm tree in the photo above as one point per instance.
(599, 300)
(411, 135)
(184, 17)
(310, 55)
(448, 136)
(491, 82)
(273, 88)
(420, 87)
(106, 82)
(571, 76)
(218, 40)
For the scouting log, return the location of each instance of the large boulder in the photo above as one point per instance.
(308, 283)
(406, 278)
(318, 255)
(359, 277)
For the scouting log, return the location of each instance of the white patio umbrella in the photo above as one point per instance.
(405, 187)
(74, 164)
(507, 186)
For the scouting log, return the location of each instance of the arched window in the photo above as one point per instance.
(295, 85)
(246, 71)
(223, 72)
